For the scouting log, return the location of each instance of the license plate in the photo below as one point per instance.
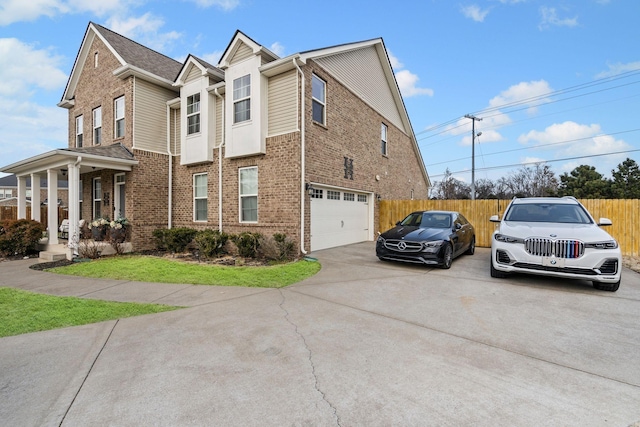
(550, 261)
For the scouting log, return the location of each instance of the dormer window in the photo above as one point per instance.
(193, 114)
(242, 99)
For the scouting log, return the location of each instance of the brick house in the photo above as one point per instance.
(170, 144)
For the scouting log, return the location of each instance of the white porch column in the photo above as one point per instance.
(52, 210)
(35, 197)
(22, 197)
(74, 205)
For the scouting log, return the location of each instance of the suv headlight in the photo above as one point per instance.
(507, 239)
(609, 244)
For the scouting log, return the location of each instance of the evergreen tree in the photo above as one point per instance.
(626, 180)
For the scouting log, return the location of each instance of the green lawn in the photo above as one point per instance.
(162, 270)
(22, 312)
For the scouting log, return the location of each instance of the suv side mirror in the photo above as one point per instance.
(604, 222)
(494, 218)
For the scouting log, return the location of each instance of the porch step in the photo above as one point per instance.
(48, 256)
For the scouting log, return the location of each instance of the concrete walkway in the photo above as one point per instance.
(362, 343)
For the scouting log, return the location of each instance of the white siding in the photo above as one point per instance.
(219, 123)
(150, 119)
(194, 74)
(360, 71)
(175, 131)
(283, 103)
(241, 54)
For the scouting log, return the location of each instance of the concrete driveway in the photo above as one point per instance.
(363, 343)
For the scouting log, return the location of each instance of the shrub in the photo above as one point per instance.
(247, 243)
(19, 237)
(174, 239)
(278, 248)
(211, 243)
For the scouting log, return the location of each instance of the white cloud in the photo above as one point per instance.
(223, 4)
(581, 140)
(550, 18)
(277, 48)
(20, 10)
(529, 93)
(23, 67)
(407, 82)
(144, 29)
(213, 57)
(395, 62)
(619, 68)
(474, 12)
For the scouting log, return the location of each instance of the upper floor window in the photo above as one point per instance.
(200, 197)
(249, 194)
(318, 94)
(193, 114)
(97, 126)
(242, 99)
(118, 109)
(383, 139)
(79, 132)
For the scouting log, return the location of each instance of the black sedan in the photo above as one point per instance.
(428, 237)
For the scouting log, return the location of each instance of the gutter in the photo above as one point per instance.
(302, 157)
(219, 147)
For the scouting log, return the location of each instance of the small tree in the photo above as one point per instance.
(19, 237)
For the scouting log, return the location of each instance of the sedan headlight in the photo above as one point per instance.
(507, 239)
(609, 244)
(380, 239)
(432, 246)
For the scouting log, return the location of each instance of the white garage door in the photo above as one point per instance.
(338, 217)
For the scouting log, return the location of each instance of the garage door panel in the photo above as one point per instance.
(338, 222)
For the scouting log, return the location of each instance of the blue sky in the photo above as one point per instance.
(555, 81)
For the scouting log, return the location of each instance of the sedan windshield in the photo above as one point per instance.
(427, 220)
(548, 212)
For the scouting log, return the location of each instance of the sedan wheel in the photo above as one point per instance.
(447, 258)
(472, 246)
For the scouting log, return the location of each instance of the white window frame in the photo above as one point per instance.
(317, 101)
(79, 126)
(97, 125)
(193, 112)
(242, 195)
(198, 196)
(384, 131)
(118, 117)
(97, 198)
(95, 60)
(242, 96)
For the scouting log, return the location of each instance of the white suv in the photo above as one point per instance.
(553, 236)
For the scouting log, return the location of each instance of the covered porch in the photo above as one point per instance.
(70, 164)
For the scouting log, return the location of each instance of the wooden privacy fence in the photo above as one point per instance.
(624, 213)
(11, 212)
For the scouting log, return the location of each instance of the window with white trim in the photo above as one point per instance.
(333, 195)
(79, 131)
(5, 193)
(193, 114)
(242, 99)
(316, 193)
(118, 116)
(362, 198)
(349, 197)
(383, 139)
(249, 194)
(97, 126)
(80, 197)
(318, 99)
(200, 197)
(97, 198)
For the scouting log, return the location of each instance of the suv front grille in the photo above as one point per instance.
(403, 245)
(560, 248)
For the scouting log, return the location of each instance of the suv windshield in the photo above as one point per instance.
(548, 212)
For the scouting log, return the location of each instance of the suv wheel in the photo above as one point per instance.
(611, 287)
(497, 273)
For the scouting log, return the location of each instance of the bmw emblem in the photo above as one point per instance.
(402, 246)
(553, 262)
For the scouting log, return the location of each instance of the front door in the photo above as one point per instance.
(119, 196)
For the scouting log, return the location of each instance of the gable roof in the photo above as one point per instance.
(205, 68)
(135, 59)
(240, 38)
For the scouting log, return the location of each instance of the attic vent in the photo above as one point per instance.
(95, 60)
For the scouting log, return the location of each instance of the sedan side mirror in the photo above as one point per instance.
(604, 222)
(494, 218)
(457, 226)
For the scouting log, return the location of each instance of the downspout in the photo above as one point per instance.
(219, 147)
(302, 158)
(170, 175)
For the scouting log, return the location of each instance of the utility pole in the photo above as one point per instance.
(473, 153)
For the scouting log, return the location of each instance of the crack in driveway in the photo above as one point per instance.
(313, 368)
